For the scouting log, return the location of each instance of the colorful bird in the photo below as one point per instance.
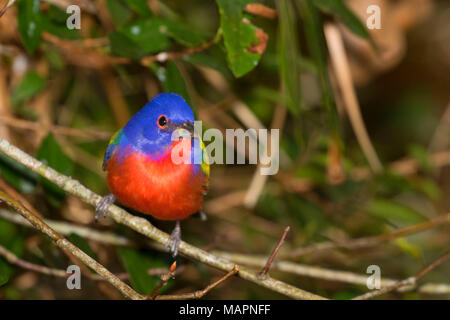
(142, 173)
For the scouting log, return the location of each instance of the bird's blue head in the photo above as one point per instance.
(150, 129)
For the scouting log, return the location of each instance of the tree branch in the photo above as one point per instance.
(326, 274)
(341, 69)
(407, 282)
(144, 227)
(200, 293)
(248, 260)
(64, 244)
(371, 241)
(266, 268)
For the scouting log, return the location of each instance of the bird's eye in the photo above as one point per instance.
(162, 121)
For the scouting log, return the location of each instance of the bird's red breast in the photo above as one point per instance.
(161, 188)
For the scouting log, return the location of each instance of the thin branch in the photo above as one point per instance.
(9, 4)
(144, 227)
(372, 240)
(341, 68)
(326, 274)
(115, 97)
(166, 56)
(56, 129)
(200, 293)
(404, 167)
(261, 10)
(407, 282)
(249, 260)
(64, 244)
(89, 56)
(68, 228)
(164, 279)
(15, 260)
(266, 268)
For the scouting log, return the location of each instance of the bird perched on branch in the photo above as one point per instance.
(151, 167)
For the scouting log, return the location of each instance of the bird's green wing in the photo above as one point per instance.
(113, 143)
(205, 165)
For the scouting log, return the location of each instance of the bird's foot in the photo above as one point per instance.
(175, 240)
(203, 216)
(103, 206)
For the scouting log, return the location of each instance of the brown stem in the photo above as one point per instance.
(370, 241)
(200, 293)
(64, 244)
(406, 282)
(266, 268)
(164, 279)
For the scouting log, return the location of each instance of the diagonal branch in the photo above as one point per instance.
(344, 78)
(248, 260)
(13, 259)
(266, 268)
(64, 244)
(370, 241)
(411, 281)
(200, 293)
(144, 227)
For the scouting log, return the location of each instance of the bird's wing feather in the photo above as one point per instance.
(113, 143)
(204, 166)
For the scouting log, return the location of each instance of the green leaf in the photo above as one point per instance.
(413, 250)
(149, 35)
(30, 23)
(391, 210)
(310, 217)
(182, 34)
(140, 7)
(31, 84)
(428, 187)
(339, 9)
(121, 14)
(54, 58)
(59, 29)
(5, 272)
(422, 156)
(315, 40)
(52, 155)
(288, 53)
(123, 46)
(173, 81)
(56, 14)
(239, 36)
(137, 264)
(17, 175)
(211, 60)
(12, 239)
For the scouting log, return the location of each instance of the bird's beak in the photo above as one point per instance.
(189, 126)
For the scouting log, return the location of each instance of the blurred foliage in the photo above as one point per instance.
(76, 87)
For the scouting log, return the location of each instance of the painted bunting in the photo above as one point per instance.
(141, 171)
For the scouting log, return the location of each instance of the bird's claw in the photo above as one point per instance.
(103, 206)
(203, 216)
(174, 240)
